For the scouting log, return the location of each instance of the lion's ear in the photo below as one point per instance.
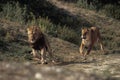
(88, 29)
(27, 29)
(82, 28)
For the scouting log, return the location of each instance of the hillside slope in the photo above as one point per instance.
(110, 30)
(14, 46)
(17, 51)
(89, 15)
(109, 27)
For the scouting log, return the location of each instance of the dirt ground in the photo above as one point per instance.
(70, 65)
(68, 60)
(105, 67)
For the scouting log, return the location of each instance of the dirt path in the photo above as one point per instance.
(68, 7)
(105, 65)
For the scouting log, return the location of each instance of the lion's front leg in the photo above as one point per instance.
(81, 49)
(35, 55)
(43, 56)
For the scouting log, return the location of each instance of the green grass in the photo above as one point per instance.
(13, 12)
(62, 32)
(109, 9)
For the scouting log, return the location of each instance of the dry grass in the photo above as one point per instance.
(16, 48)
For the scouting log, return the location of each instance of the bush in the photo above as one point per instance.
(82, 3)
(94, 5)
(68, 34)
(112, 11)
(13, 35)
(64, 33)
(2, 32)
(13, 12)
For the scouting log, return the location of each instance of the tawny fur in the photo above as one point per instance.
(38, 42)
(89, 37)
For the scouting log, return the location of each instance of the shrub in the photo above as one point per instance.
(82, 3)
(13, 12)
(68, 34)
(92, 5)
(12, 35)
(2, 32)
(55, 30)
(112, 11)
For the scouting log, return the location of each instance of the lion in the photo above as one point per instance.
(39, 42)
(89, 37)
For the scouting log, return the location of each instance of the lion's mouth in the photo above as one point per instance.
(32, 41)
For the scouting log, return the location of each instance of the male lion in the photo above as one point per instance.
(89, 37)
(38, 42)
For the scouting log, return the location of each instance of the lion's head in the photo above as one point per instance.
(85, 33)
(34, 33)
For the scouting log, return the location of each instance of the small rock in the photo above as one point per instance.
(38, 76)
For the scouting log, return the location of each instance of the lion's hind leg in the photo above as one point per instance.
(100, 42)
(101, 46)
(52, 59)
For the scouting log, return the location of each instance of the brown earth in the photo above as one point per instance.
(27, 71)
(70, 65)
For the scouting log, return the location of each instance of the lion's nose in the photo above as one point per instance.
(83, 37)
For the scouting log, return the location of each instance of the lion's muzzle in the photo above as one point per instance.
(83, 37)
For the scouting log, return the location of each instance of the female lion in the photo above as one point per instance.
(89, 37)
